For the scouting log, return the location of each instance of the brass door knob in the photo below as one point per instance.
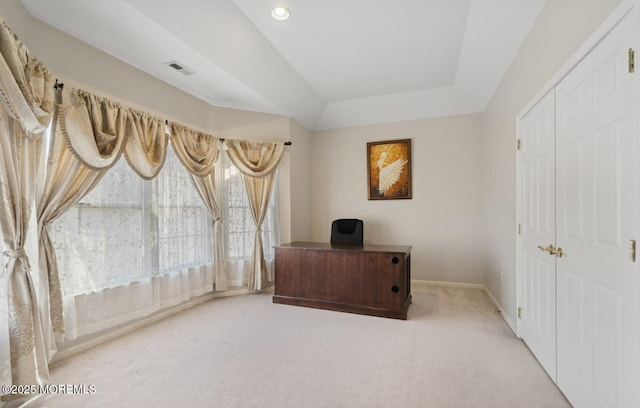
(559, 252)
(549, 248)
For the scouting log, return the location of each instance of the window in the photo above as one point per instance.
(132, 247)
(128, 229)
(100, 241)
(184, 225)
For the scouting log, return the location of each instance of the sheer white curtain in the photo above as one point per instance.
(132, 247)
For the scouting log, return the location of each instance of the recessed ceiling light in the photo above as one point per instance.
(280, 13)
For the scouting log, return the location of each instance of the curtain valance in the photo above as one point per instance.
(26, 85)
(146, 147)
(93, 127)
(197, 151)
(98, 131)
(255, 158)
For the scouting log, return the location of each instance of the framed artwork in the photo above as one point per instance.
(389, 169)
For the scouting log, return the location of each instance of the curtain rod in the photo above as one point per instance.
(285, 143)
(61, 85)
(222, 140)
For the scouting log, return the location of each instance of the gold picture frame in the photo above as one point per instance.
(389, 169)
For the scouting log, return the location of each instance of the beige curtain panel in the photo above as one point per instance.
(64, 180)
(27, 96)
(20, 154)
(205, 186)
(257, 161)
(198, 152)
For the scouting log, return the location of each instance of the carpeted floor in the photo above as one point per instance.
(454, 351)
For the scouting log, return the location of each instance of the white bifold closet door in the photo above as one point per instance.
(580, 291)
(597, 155)
(538, 231)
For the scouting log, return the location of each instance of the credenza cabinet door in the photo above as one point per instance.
(343, 270)
(295, 272)
(387, 282)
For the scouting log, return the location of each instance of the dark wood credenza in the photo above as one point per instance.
(370, 279)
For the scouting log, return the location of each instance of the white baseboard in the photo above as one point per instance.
(493, 299)
(505, 317)
(229, 293)
(481, 286)
(510, 323)
(418, 282)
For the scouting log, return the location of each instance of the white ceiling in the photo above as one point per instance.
(334, 63)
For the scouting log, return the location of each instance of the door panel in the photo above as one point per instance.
(572, 195)
(607, 187)
(571, 314)
(607, 332)
(596, 217)
(537, 182)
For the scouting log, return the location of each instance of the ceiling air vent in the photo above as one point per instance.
(180, 68)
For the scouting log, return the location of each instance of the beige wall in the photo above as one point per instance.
(441, 222)
(300, 154)
(562, 26)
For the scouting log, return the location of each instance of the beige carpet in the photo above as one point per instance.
(454, 351)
